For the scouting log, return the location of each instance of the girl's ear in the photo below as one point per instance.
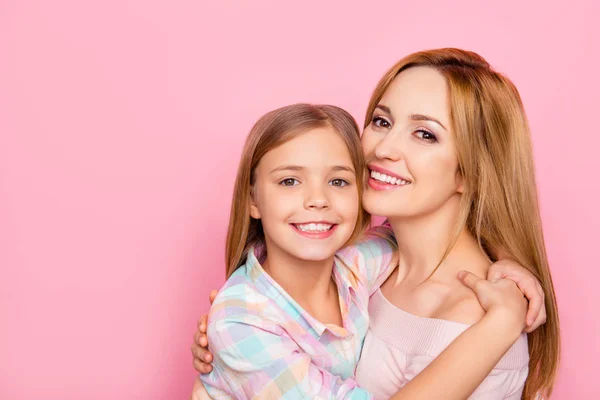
(254, 212)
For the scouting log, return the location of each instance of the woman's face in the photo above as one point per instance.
(409, 148)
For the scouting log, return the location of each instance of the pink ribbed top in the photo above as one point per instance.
(399, 345)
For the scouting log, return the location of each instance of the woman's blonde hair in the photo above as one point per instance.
(499, 205)
(272, 130)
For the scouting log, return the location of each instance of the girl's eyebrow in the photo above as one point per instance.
(287, 168)
(299, 168)
(342, 168)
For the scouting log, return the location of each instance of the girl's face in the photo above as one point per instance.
(409, 148)
(306, 197)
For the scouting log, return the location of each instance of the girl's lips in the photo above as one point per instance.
(315, 235)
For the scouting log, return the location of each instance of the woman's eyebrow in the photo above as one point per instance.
(421, 117)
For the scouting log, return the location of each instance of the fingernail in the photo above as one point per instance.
(206, 358)
(461, 274)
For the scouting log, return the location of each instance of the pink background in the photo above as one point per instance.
(121, 124)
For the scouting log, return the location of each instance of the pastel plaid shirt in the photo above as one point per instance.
(267, 346)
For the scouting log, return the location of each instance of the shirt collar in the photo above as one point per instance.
(269, 287)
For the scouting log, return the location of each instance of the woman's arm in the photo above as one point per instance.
(468, 360)
(454, 374)
(198, 391)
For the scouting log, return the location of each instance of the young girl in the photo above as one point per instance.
(292, 316)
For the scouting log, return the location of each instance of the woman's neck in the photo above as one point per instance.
(423, 240)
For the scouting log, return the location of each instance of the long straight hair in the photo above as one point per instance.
(499, 205)
(270, 131)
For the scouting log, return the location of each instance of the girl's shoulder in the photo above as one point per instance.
(370, 260)
(377, 240)
(240, 295)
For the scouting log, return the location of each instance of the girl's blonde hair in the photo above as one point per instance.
(499, 205)
(272, 130)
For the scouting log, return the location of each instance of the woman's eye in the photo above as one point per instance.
(426, 135)
(381, 122)
(289, 182)
(339, 182)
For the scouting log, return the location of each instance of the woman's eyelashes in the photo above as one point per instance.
(381, 122)
(426, 135)
(421, 133)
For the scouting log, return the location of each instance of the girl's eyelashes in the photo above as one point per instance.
(381, 122)
(339, 182)
(289, 182)
(426, 135)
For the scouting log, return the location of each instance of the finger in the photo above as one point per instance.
(200, 339)
(213, 294)
(502, 269)
(471, 281)
(541, 320)
(535, 305)
(203, 323)
(203, 340)
(202, 367)
(196, 351)
(202, 354)
(535, 297)
(495, 273)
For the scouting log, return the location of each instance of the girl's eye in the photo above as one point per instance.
(289, 182)
(339, 182)
(381, 122)
(426, 135)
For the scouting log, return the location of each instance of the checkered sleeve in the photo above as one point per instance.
(254, 358)
(373, 258)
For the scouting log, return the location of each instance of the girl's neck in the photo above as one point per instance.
(308, 282)
(423, 240)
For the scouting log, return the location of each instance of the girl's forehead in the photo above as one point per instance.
(316, 148)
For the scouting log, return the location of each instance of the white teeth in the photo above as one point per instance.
(388, 179)
(312, 227)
